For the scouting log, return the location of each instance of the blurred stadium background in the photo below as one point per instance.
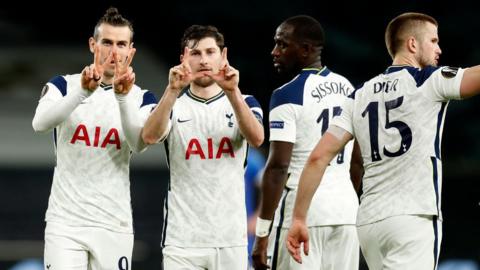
(50, 39)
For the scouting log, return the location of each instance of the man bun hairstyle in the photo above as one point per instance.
(114, 18)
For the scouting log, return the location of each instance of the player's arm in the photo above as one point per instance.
(356, 167)
(470, 85)
(158, 123)
(55, 107)
(273, 183)
(250, 126)
(133, 116)
(327, 148)
(228, 78)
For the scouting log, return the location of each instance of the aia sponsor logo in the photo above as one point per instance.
(209, 151)
(81, 135)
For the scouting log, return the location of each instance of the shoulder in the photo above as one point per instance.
(251, 101)
(289, 93)
(63, 82)
(147, 96)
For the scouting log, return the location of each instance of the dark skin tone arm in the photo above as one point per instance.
(356, 168)
(273, 183)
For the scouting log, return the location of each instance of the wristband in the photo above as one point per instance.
(262, 228)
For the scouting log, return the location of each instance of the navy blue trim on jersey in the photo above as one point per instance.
(441, 113)
(352, 95)
(55, 144)
(60, 83)
(165, 221)
(435, 243)
(148, 98)
(55, 137)
(325, 71)
(252, 102)
(105, 86)
(258, 116)
(420, 75)
(203, 100)
(435, 182)
(292, 92)
(167, 156)
(279, 230)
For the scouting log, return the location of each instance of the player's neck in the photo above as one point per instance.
(205, 92)
(405, 60)
(316, 64)
(107, 80)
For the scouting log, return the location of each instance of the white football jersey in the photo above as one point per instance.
(300, 112)
(397, 118)
(91, 184)
(205, 205)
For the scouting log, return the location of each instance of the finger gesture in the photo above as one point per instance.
(124, 77)
(227, 77)
(297, 235)
(181, 75)
(92, 74)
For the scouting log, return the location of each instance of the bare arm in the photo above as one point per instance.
(470, 85)
(156, 126)
(228, 78)
(273, 182)
(312, 174)
(249, 125)
(356, 167)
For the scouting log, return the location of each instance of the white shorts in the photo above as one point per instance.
(82, 248)
(401, 242)
(231, 258)
(331, 248)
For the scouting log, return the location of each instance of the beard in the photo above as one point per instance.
(204, 81)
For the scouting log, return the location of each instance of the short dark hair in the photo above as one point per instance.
(114, 18)
(404, 23)
(199, 32)
(307, 28)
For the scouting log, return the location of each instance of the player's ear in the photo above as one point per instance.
(131, 45)
(306, 49)
(91, 44)
(181, 57)
(411, 44)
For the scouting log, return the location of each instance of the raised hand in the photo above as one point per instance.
(124, 77)
(227, 77)
(181, 75)
(92, 74)
(297, 235)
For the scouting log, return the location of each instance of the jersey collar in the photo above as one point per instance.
(203, 100)
(106, 86)
(317, 71)
(395, 68)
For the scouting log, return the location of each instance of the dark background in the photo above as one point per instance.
(355, 48)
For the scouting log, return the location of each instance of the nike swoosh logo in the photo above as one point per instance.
(183, 121)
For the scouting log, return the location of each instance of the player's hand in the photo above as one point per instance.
(227, 77)
(259, 253)
(181, 75)
(297, 235)
(124, 77)
(92, 74)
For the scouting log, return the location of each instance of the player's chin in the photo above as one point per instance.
(204, 81)
(109, 72)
